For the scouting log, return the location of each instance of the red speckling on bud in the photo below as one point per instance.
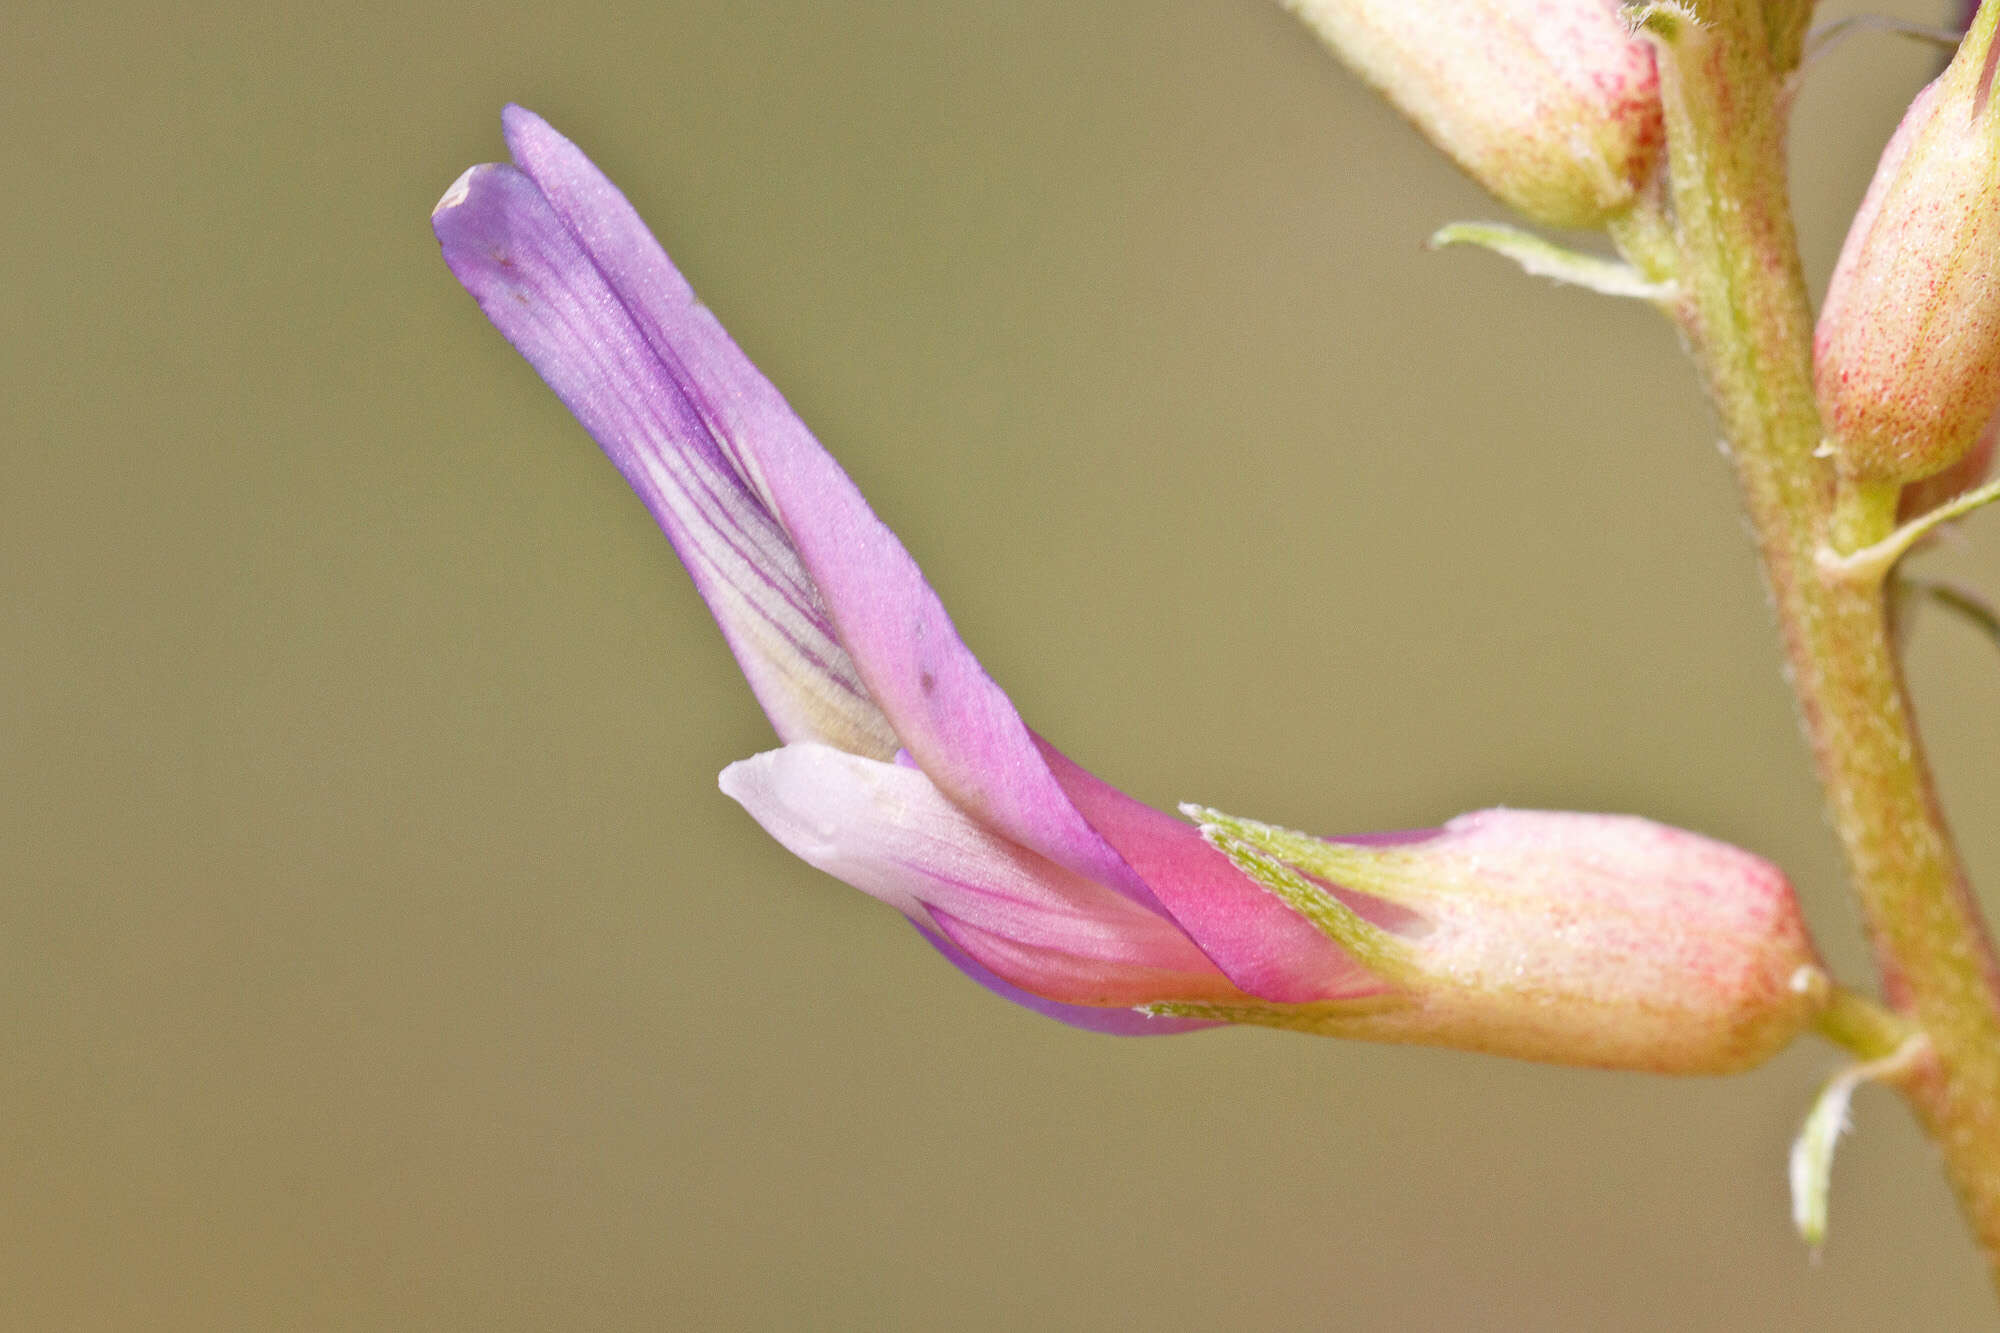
(1550, 104)
(1906, 359)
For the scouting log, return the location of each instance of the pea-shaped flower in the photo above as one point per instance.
(907, 772)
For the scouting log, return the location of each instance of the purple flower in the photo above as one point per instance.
(906, 771)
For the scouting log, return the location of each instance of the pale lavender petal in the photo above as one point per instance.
(888, 831)
(1260, 944)
(542, 291)
(957, 724)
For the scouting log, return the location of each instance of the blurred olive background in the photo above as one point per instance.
(377, 951)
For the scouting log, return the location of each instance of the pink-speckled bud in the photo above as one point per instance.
(1906, 359)
(1584, 939)
(1550, 104)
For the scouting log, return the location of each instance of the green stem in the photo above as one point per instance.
(1749, 324)
(1862, 1027)
(1863, 514)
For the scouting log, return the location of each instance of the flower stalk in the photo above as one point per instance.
(1749, 325)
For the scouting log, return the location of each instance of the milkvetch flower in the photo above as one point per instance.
(905, 770)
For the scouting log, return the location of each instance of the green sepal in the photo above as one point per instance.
(1330, 1018)
(1811, 1164)
(1546, 259)
(1665, 19)
(1387, 873)
(1254, 849)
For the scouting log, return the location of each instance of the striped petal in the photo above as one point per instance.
(534, 280)
(817, 596)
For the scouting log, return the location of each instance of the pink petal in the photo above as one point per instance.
(888, 831)
(1071, 978)
(1112, 1022)
(1259, 943)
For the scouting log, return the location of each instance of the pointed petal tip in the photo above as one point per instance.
(514, 116)
(802, 794)
(529, 136)
(739, 780)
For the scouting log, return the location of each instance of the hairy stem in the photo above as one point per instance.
(1862, 1027)
(1745, 313)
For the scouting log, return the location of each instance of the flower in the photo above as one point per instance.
(905, 770)
(1906, 354)
(1552, 105)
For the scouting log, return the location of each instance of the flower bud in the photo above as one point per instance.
(1906, 358)
(1550, 104)
(1583, 939)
